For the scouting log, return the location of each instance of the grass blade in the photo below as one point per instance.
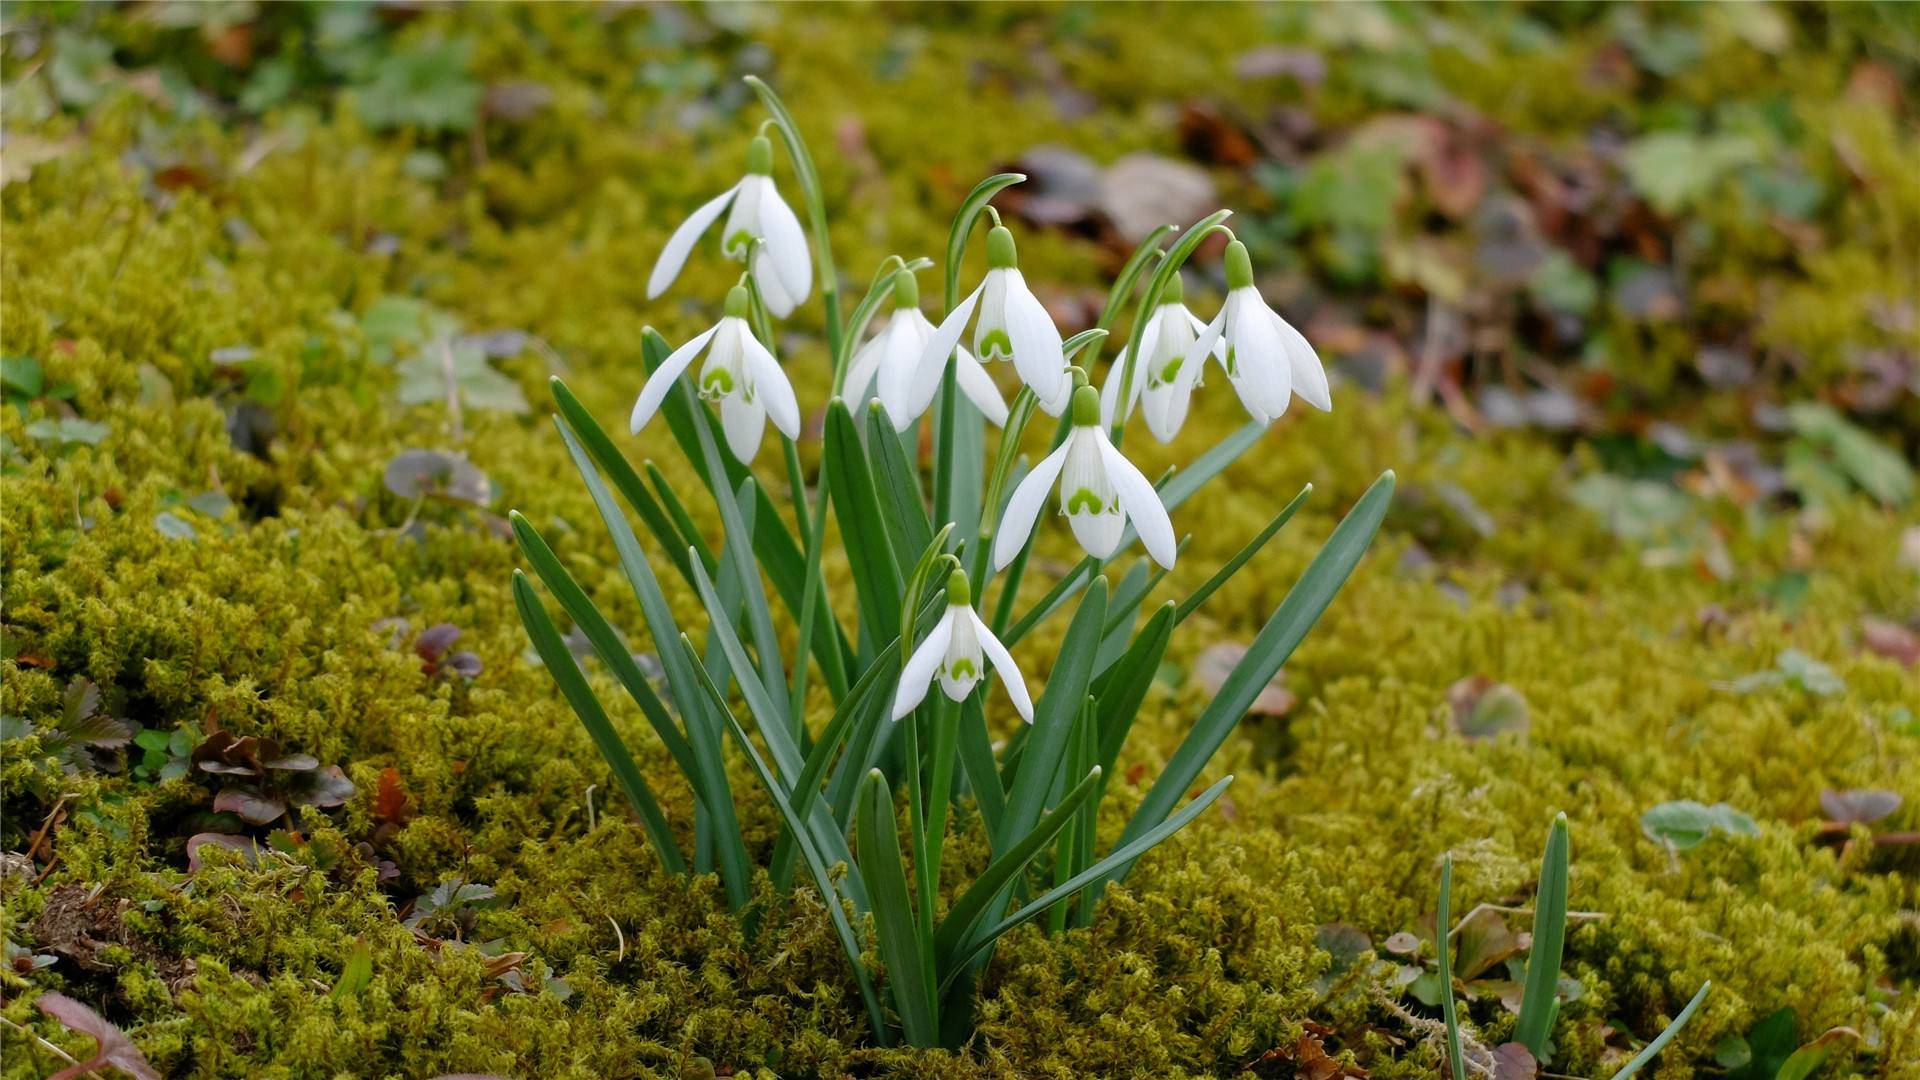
(573, 686)
(1541, 1000)
(1121, 689)
(877, 838)
(897, 483)
(1660, 1041)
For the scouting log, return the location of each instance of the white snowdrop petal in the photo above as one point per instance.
(947, 334)
(771, 388)
(1016, 524)
(1038, 353)
(865, 365)
(1141, 503)
(1309, 377)
(960, 672)
(661, 381)
(1002, 661)
(743, 422)
(674, 256)
(979, 388)
(1260, 371)
(773, 292)
(917, 675)
(786, 243)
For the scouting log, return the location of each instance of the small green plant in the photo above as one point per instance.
(1540, 1002)
(924, 560)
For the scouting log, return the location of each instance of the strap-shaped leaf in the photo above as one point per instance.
(573, 686)
(1276, 641)
(683, 523)
(1122, 687)
(1241, 557)
(818, 865)
(625, 480)
(1123, 855)
(1660, 1041)
(877, 837)
(1444, 920)
(1184, 484)
(898, 484)
(1053, 719)
(977, 764)
(1000, 873)
(856, 505)
(1540, 1001)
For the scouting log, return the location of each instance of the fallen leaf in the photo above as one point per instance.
(1859, 806)
(1142, 192)
(1485, 709)
(1513, 1061)
(115, 1049)
(1891, 640)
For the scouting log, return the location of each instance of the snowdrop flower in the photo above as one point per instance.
(1013, 325)
(1266, 359)
(1100, 492)
(953, 653)
(897, 357)
(740, 375)
(1163, 376)
(755, 211)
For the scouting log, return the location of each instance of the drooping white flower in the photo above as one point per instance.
(1162, 377)
(954, 653)
(1013, 325)
(896, 359)
(1266, 359)
(755, 211)
(740, 376)
(1100, 492)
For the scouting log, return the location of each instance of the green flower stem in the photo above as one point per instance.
(946, 742)
(816, 207)
(1177, 256)
(917, 823)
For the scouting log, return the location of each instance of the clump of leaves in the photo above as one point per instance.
(85, 738)
(261, 783)
(450, 908)
(167, 755)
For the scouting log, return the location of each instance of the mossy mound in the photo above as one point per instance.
(221, 271)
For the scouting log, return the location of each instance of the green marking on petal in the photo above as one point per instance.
(1084, 501)
(736, 244)
(996, 345)
(1173, 368)
(962, 669)
(716, 383)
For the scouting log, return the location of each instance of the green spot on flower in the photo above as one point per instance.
(716, 383)
(996, 345)
(1084, 501)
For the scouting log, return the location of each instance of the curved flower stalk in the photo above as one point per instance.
(740, 376)
(1163, 379)
(1013, 325)
(1100, 492)
(953, 654)
(895, 363)
(755, 211)
(1265, 358)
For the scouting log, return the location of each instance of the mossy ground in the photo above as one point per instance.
(159, 229)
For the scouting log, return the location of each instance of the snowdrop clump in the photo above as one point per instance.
(830, 698)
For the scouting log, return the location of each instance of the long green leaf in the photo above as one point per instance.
(1241, 557)
(1444, 922)
(1660, 1041)
(1121, 689)
(817, 865)
(702, 730)
(625, 480)
(958, 926)
(856, 504)
(573, 686)
(898, 484)
(1540, 1001)
(1123, 855)
(1276, 641)
(1053, 719)
(877, 838)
